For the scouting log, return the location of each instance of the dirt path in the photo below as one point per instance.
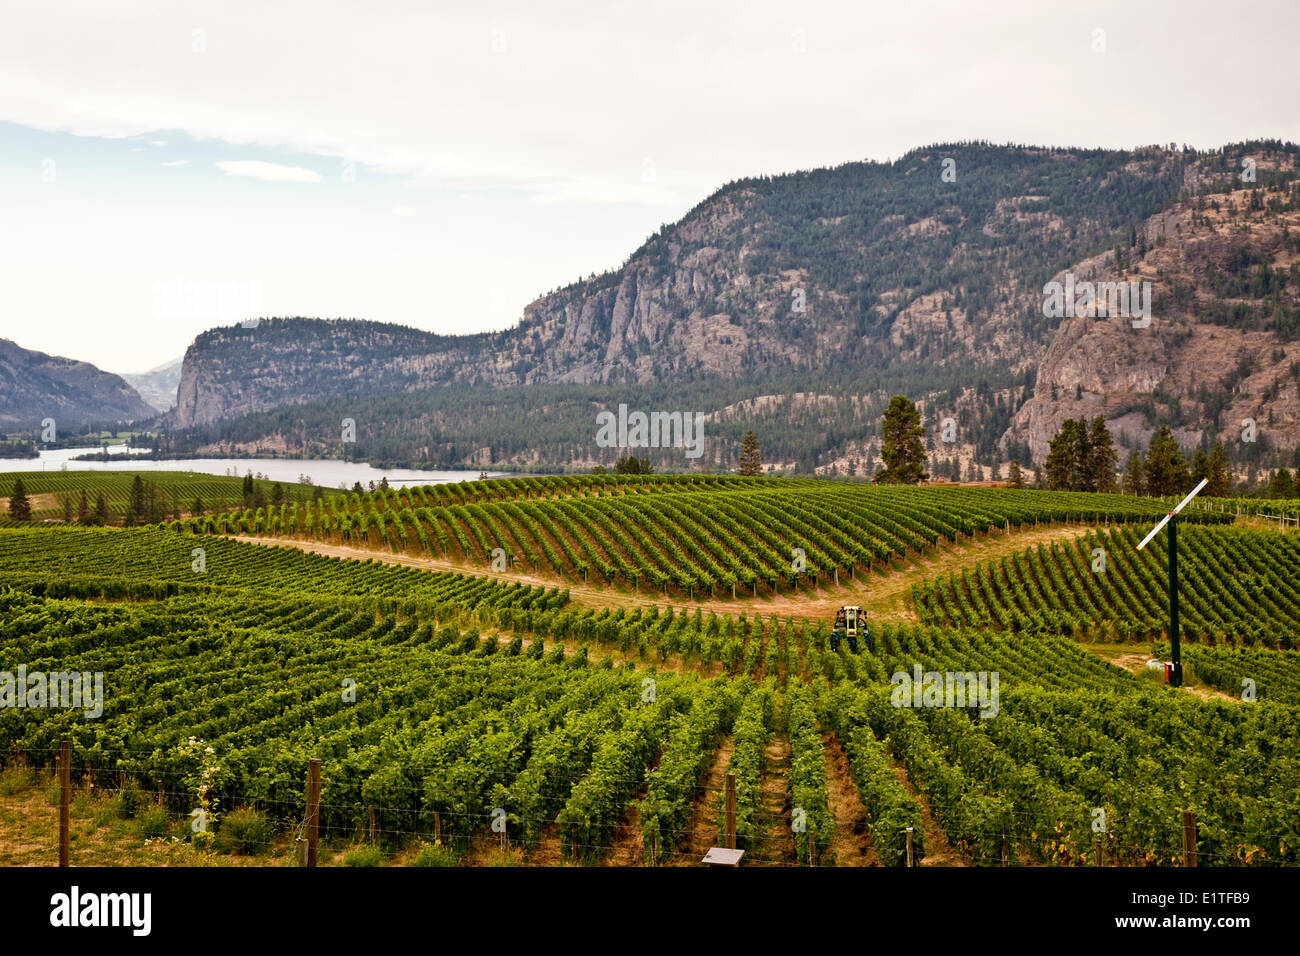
(777, 839)
(938, 851)
(885, 594)
(851, 844)
(703, 832)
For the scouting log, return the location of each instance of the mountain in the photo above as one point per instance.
(796, 303)
(1224, 347)
(35, 386)
(158, 386)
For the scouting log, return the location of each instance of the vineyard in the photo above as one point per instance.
(48, 489)
(696, 534)
(444, 704)
(1242, 586)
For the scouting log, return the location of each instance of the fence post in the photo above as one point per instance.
(65, 800)
(313, 809)
(909, 846)
(731, 811)
(1189, 838)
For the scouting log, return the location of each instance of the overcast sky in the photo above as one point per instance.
(168, 167)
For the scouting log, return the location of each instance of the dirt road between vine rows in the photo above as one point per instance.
(884, 594)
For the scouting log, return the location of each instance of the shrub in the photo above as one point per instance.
(434, 854)
(244, 831)
(153, 822)
(363, 856)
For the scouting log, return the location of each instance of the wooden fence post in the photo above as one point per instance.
(731, 811)
(65, 801)
(909, 847)
(313, 809)
(1189, 838)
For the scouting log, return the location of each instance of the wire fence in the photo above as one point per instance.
(460, 826)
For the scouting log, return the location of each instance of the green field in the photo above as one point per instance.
(441, 702)
(49, 489)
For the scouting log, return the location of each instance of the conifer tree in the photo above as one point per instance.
(20, 508)
(751, 459)
(901, 448)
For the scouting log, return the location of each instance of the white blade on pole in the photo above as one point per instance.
(1165, 520)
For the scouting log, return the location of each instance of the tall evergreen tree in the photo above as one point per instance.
(1165, 469)
(1102, 457)
(1281, 485)
(751, 458)
(20, 508)
(101, 515)
(1133, 474)
(1217, 471)
(1200, 465)
(135, 505)
(900, 447)
(1016, 476)
(1062, 465)
(83, 508)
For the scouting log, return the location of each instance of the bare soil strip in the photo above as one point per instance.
(938, 851)
(703, 832)
(851, 843)
(885, 594)
(776, 841)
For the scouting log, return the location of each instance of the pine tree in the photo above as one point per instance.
(1101, 457)
(1062, 465)
(196, 509)
(1217, 471)
(83, 509)
(751, 459)
(1133, 474)
(101, 509)
(901, 448)
(20, 508)
(1016, 476)
(1281, 485)
(135, 506)
(1200, 465)
(1165, 470)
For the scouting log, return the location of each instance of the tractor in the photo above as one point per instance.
(850, 624)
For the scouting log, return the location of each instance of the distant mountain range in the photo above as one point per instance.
(797, 304)
(158, 386)
(35, 386)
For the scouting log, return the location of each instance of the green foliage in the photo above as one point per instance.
(245, 831)
(901, 448)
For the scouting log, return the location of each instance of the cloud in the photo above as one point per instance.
(177, 162)
(271, 172)
(157, 142)
(403, 211)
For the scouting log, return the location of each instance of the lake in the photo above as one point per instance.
(326, 472)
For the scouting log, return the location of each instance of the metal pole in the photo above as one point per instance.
(1176, 679)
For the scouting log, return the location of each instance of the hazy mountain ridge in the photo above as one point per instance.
(35, 386)
(158, 386)
(897, 271)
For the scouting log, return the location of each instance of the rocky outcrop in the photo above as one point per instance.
(1188, 368)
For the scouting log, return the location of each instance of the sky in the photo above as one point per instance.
(169, 167)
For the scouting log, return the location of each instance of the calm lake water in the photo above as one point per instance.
(322, 471)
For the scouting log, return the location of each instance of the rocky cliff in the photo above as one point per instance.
(863, 278)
